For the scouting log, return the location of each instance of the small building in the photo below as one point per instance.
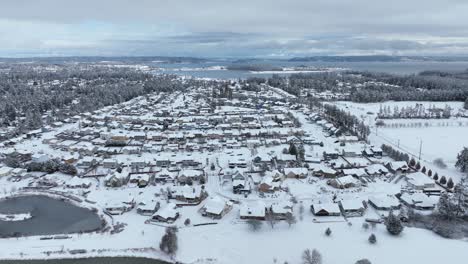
(254, 211)
(77, 182)
(148, 208)
(354, 207)
(397, 166)
(420, 181)
(418, 200)
(344, 182)
(297, 173)
(167, 214)
(384, 202)
(215, 208)
(281, 211)
(117, 179)
(325, 209)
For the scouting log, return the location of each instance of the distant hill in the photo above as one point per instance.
(378, 58)
(95, 59)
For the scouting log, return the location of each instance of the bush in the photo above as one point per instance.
(372, 239)
(365, 226)
(187, 222)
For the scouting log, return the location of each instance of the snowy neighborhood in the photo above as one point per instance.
(225, 168)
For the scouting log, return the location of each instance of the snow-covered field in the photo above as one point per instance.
(440, 138)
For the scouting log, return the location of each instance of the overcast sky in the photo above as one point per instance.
(233, 28)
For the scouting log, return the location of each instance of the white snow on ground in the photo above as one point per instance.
(230, 240)
(440, 138)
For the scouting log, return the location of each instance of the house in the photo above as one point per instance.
(140, 179)
(384, 202)
(344, 182)
(167, 214)
(418, 200)
(148, 208)
(354, 207)
(5, 171)
(117, 179)
(88, 161)
(119, 207)
(376, 170)
(186, 176)
(420, 181)
(397, 166)
(255, 210)
(241, 187)
(325, 209)
(324, 171)
(378, 152)
(357, 173)
(297, 173)
(280, 211)
(215, 208)
(188, 194)
(110, 163)
(268, 185)
(77, 182)
(165, 176)
(331, 154)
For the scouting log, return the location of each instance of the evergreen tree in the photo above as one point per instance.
(393, 224)
(372, 239)
(450, 183)
(462, 160)
(443, 180)
(328, 232)
(169, 241)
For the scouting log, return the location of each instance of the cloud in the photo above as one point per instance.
(232, 28)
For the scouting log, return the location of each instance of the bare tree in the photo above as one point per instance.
(311, 257)
(254, 225)
(271, 219)
(290, 219)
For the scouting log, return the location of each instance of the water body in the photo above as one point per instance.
(50, 217)
(110, 260)
(400, 68)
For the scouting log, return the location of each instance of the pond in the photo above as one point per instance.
(49, 216)
(110, 260)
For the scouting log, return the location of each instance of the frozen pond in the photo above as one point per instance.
(49, 217)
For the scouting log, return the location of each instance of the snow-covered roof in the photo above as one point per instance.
(256, 209)
(168, 211)
(215, 205)
(419, 179)
(328, 207)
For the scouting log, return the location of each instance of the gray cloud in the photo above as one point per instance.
(232, 28)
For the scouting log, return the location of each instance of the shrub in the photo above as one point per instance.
(372, 239)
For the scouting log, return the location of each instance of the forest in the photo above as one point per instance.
(31, 94)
